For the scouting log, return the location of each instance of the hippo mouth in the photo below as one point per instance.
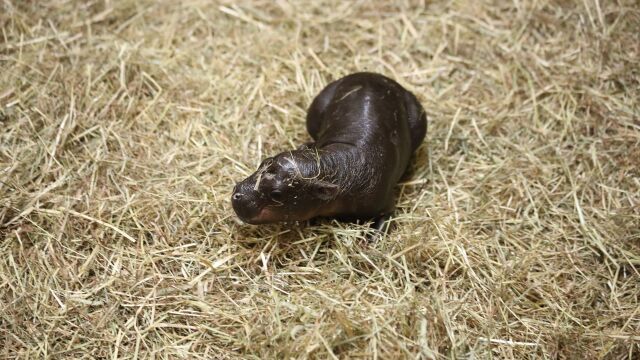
(250, 211)
(264, 216)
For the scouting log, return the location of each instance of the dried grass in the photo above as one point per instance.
(124, 125)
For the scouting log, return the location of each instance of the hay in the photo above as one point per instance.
(124, 125)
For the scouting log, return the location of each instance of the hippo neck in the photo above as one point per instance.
(346, 166)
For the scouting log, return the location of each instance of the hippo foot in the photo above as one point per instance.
(380, 228)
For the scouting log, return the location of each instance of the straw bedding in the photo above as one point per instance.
(124, 125)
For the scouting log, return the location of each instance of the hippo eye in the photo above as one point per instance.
(276, 195)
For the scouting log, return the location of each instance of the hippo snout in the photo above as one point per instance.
(245, 202)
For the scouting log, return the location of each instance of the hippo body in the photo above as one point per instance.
(365, 127)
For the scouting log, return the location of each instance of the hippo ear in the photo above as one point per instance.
(323, 190)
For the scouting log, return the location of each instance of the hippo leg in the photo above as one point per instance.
(380, 227)
(383, 223)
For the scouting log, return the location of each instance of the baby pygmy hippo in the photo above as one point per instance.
(365, 127)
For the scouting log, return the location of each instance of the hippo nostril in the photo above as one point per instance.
(236, 196)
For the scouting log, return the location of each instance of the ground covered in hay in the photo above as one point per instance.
(125, 124)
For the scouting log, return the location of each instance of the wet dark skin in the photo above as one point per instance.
(365, 128)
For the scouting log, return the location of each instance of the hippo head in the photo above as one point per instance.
(286, 187)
